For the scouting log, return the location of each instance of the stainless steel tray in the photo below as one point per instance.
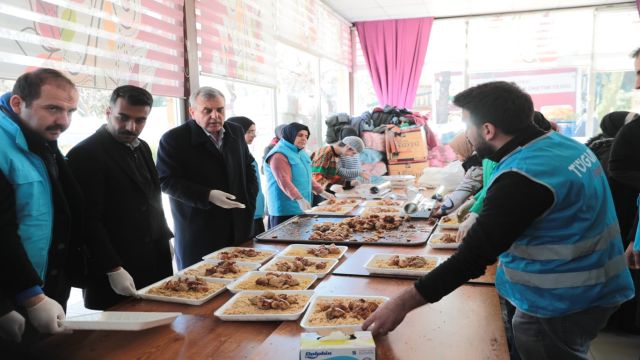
(298, 229)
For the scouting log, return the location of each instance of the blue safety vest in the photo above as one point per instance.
(636, 242)
(278, 203)
(259, 214)
(571, 258)
(34, 206)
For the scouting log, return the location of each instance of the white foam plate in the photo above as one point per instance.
(142, 293)
(285, 252)
(388, 210)
(321, 210)
(377, 203)
(453, 226)
(251, 265)
(345, 328)
(404, 272)
(331, 263)
(262, 317)
(120, 320)
(214, 255)
(436, 245)
(356, 203)
(233, 289)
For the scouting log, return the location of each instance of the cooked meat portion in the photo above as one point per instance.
(323, 250)
(270, 300)
(279, 281)
(238, 253)
(222, 268)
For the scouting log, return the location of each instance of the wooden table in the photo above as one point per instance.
(464, 325)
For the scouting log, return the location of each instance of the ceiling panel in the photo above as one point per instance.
(365, 10)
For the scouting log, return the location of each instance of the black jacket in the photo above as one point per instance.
(65, 262)
(125, 221)
(190, 166)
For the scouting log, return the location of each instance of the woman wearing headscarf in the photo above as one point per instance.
(249, 128)
(290, 187)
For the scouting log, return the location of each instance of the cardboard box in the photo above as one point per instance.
(411, 168)
(337, 346)
(406, 145)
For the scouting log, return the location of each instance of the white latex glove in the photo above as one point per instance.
(336, 188)
(12, 326)
(223, 200)
(465, 226)
(327, 195)
(122, 283)
(355, 183)
(463, 210)
(46, 316)
(304, 204)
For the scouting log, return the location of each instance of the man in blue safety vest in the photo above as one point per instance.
(548, 218)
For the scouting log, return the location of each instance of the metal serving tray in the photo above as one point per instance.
(298, 229)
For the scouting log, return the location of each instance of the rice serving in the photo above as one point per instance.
(243, 306)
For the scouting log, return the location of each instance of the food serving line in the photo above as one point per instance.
(465, 324)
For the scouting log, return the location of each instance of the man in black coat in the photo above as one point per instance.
(40, 210)
(203, 166)
(127, 233)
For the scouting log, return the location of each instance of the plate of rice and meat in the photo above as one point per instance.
(331, 251)
(277, 305)
(340, 312)
(443, 240)
(299, 264)
(243, 254)
(396, 264)
(270, 280)
(227, 270)
(190, 290)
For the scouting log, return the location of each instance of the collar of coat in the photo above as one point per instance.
(231, 131)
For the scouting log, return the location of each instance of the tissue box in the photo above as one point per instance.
(337, 346)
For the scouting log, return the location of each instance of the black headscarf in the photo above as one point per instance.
(290, 131)
(243, 121)
(612, 123)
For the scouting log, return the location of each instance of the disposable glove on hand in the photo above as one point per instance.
(46, 316)
(336, 188)
(327, 195)
(466, 225)
(303, 203)
(122, 283)
(12, 326)
(463, 210)
(223, 200)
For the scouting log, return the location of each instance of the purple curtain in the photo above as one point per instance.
(394, 51)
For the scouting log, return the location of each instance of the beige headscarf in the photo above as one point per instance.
(461, 146)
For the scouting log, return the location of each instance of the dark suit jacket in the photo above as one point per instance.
(190, 166)
(125, 221)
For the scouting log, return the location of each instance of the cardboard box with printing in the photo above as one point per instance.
(337, 345)
(411, 168)
(406, 145)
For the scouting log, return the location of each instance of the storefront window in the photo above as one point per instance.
(298, 91)
(253, 101)
(334, 90)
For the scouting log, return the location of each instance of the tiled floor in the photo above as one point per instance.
(607, 346)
